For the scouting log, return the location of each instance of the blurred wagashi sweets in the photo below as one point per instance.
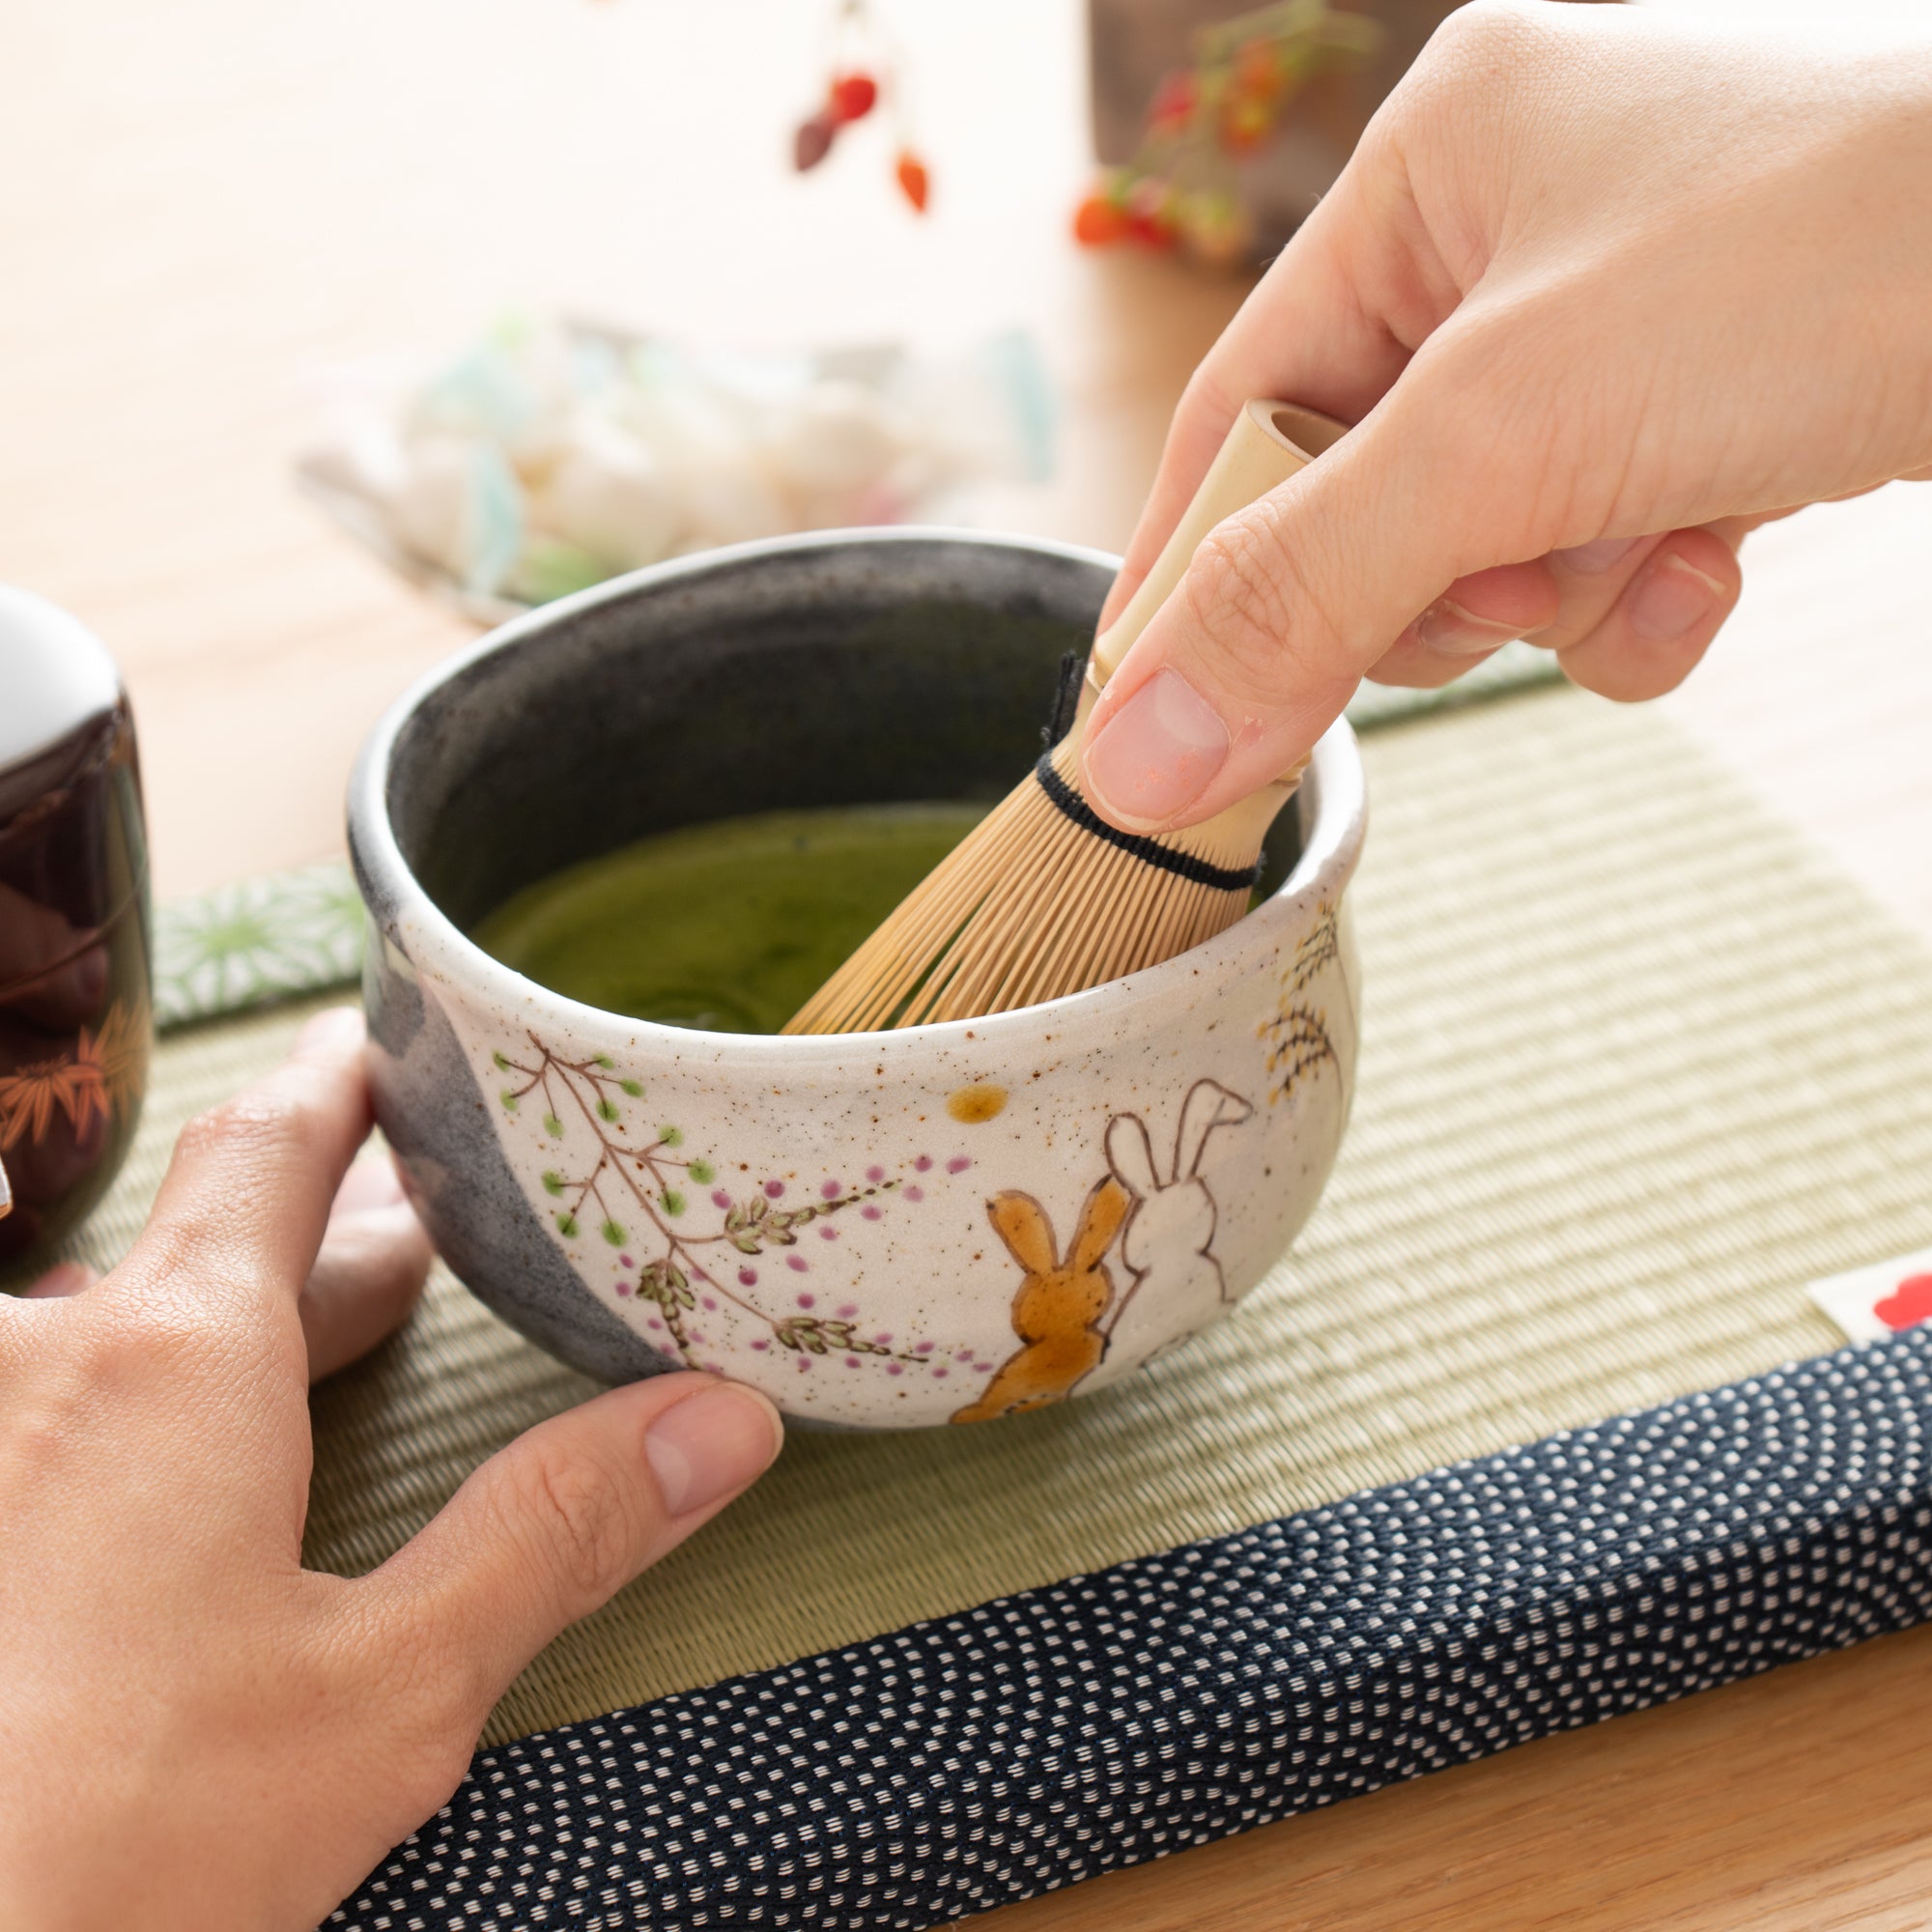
(547, 458)
(75, 1022)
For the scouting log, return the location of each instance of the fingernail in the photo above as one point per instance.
(711, 1444)
(1446, 627)
(66, 1278)
(1157, 754)
(1672, 597)
(368, 1184)
(1592, 559)
(333, 1031)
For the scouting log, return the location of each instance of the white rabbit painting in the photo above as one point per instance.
(1167, 1242)
(1065, 1314)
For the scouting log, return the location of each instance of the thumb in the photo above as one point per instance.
(1265, 639)
(552, 1527)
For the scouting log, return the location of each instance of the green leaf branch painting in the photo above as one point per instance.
(703, 1255)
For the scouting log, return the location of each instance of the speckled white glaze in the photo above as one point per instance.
(884, 1229)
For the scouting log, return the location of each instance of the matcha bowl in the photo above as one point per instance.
(941, 1225)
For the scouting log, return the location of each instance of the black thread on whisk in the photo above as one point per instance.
(1066, 700)
(1150, 851)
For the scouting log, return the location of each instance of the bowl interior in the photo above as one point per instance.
(817, 672)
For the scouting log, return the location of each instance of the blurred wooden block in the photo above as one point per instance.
(1133, 43)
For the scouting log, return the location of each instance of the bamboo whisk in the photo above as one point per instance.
(1044, 897)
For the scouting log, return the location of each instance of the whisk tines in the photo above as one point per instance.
(1044, 898)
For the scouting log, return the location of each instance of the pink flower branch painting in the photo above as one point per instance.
(638, 1191)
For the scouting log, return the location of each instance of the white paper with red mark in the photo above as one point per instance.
(1869, 1303)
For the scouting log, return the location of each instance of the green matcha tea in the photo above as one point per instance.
(730, 927)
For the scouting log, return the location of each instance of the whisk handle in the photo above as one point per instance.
(1266, 445)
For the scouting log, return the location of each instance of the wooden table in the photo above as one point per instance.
(204, 205)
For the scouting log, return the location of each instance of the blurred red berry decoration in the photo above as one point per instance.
(1179, 188)
(863, 73)
(854, 96)
(913, 184)
(813, 142)
(1174, 100)
(1098, 220)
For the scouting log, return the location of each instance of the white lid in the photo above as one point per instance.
(54, 675)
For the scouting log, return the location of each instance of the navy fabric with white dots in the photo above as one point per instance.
(1045, 1737)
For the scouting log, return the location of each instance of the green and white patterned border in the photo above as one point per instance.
(285, 934)
(262, 939)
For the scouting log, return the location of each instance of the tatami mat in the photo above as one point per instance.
(1636, 1065)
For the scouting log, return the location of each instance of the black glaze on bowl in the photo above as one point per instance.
(838, 670)
(437, 1120)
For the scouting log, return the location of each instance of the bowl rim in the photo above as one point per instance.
(1326, 859)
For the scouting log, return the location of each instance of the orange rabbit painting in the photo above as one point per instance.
(1058, 1309)
(1065, 1314)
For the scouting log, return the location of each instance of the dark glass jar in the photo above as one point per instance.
(75, 1021)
